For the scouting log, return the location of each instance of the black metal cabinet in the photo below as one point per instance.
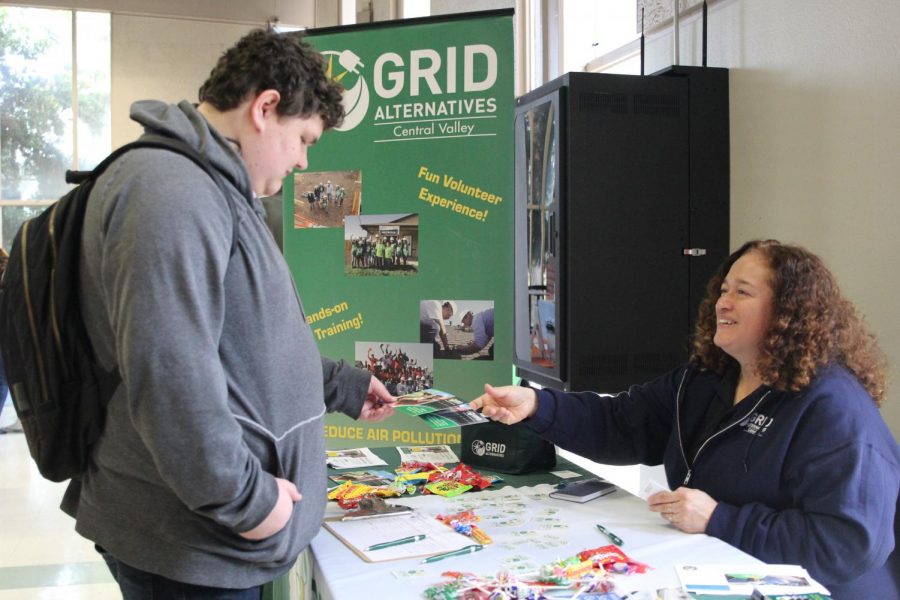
(622, 196)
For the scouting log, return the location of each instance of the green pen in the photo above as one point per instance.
(406, 540)
(613, 537)
(461, 552)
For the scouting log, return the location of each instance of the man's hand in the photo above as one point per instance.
(379, 403)
(686, 508)
(508, 404)
(288, 494)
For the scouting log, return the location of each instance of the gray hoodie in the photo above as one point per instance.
(222, 385)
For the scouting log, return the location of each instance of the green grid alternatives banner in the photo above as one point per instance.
(407, 208)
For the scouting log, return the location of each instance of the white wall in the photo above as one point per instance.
(447, 7)
(162, 59)
(255, 12)
(815, 139)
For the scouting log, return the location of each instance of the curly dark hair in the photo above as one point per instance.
(264, 59)
(812, 324)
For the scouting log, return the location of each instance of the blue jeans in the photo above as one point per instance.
(141, 585)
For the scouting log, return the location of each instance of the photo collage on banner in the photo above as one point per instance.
(406, 209)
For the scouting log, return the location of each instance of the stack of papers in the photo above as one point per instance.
(427, 454)
(373, 478)
(360, 535)
(745, 580)
(358, 458)
(352, 458)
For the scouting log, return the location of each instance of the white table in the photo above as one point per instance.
(565, 528)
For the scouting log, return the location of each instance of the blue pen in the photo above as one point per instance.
(461, 552)
(406, 540)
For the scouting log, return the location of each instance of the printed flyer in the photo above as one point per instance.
(400, 233)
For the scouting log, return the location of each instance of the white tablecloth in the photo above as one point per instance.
(528, 528)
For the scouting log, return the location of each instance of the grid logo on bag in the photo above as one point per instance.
(503, 448)
(481, 448)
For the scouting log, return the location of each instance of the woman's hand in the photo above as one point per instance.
(508, 404)
(686, 508)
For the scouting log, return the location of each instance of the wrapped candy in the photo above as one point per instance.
(506, 586)
(465, 475)
(348, 494)
(447, 488)
(416, 467)
(613, 560)
(464, 523)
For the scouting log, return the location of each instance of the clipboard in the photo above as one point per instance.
(359, 534)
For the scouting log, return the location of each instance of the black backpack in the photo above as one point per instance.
(59, 390)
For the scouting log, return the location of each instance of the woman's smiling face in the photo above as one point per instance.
(744, 309)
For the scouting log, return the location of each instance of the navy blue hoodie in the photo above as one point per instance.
(809, 478)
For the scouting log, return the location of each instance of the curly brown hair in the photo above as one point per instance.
(266, 60)
(812, 324)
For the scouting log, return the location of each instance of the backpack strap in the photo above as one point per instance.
(152, 140)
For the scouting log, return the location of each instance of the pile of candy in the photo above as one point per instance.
(587, 573)
(413, 478)
(348, 494)
(457, 480)
(464, 523)
(466, 586)
(612, 560)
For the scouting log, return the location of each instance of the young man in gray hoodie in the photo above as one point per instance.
(209, 478)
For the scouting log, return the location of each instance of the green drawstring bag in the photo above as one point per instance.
(513, 449)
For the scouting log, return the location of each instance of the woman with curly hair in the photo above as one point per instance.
(770, 436)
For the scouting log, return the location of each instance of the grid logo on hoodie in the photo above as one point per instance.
(756, 424)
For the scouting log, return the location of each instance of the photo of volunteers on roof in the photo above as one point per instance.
(325, 198)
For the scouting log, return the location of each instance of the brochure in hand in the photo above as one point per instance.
(441, 410)
(425, 401)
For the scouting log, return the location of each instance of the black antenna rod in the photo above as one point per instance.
(704, 33)
(642, 40)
